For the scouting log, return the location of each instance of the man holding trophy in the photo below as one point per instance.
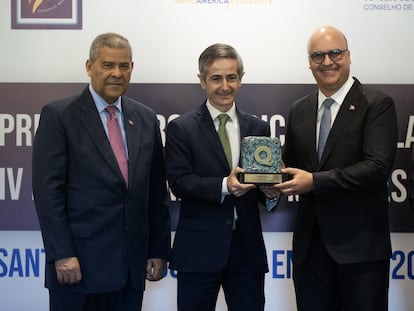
(218, 240)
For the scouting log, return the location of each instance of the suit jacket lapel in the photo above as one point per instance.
(204, 121)
(91, 121)
(243, 124)
(346, 112)
(309, 117)
(133, 129)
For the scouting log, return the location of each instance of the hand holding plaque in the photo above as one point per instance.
(261, 159)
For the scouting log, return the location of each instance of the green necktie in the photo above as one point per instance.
(224, 138)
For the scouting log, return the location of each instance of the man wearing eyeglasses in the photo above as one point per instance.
(340, 148)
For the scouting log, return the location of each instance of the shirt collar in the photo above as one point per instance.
(339, 96)
(101, 103)
(214, 112)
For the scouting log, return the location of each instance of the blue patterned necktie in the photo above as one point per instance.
(325, 125)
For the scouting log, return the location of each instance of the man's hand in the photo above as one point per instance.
(301, 182)
(68, 270)
(234, 186)
(155, 269)
(271, 191)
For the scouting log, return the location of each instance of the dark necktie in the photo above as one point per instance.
(224, 138)
(115, 138)
(325, 125)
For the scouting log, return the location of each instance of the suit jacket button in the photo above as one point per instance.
(229, 222)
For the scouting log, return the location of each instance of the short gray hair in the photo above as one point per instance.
(110, 40)
(216, 51)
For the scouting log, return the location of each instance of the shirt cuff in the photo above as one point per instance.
(224, 189)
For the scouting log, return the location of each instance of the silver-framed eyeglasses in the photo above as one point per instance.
(335, 55)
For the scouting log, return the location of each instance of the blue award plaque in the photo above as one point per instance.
(261, 158)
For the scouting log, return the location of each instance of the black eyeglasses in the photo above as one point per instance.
(335, 55)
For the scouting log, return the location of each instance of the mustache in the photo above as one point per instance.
(115, 81)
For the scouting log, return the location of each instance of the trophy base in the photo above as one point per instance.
(260, 178)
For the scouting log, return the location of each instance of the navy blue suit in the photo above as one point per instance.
(196, 166)
(83, 205)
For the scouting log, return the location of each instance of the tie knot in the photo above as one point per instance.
(327, 103)
(223, 118)
(111, 110)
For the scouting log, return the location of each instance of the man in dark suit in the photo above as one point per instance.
(218, 240)
(104, 217)
(341, 242)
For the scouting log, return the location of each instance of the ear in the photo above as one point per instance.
(241, 77)
(202, 82)
(89, 66)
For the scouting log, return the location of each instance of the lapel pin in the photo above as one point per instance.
(131, 122)
(351, 107)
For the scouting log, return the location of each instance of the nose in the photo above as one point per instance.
(225, 84)
(116, 71)
(327, 60)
